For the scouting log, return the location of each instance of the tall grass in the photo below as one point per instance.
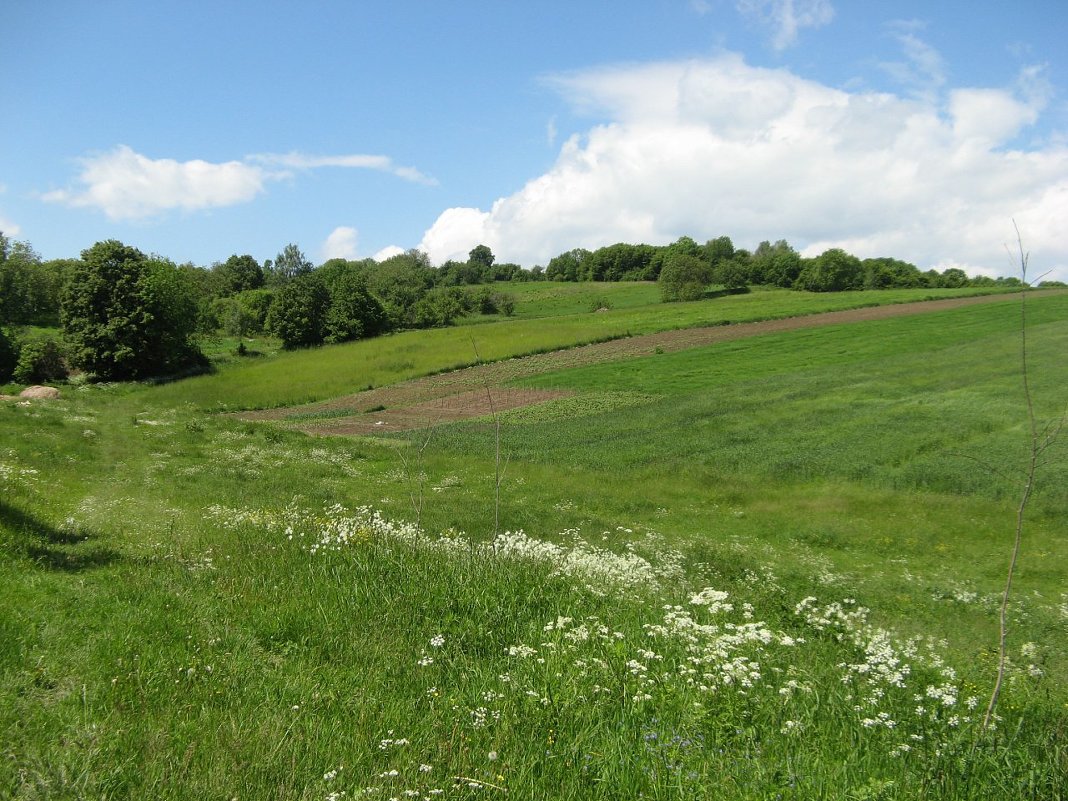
(192, 606)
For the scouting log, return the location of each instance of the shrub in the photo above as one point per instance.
(9, 356)
(41, 360)
(833, 270)
(732, 274)
(684, 277)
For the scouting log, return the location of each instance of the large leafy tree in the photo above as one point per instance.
(777, 265)
(684, 277)
(719, 249)
(568, 266)
(354, 312)
(287, 265)
(239, 273)
(400, 282)
(29, 288)
(126, 316)
(833, 270)
(622, 262)
(482, 257)
(298, 312)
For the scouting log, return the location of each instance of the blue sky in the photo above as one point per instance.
(201, 129)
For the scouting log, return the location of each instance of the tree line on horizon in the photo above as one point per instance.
(127, 315)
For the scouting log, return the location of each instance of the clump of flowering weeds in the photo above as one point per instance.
(649, 685)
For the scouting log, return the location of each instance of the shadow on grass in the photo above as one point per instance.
(725, 292)
(52, 548)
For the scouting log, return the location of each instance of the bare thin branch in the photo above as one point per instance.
(498, 475)
(1036, 448)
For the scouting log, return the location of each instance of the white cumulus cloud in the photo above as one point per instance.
(341, 244)
(125, 184)
(388, 252)
(711, 147)
(455, 233)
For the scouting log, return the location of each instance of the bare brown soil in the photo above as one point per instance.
(477, 391)
(446, 409)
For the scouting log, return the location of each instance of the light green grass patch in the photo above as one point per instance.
(556, 298)
(584, 404)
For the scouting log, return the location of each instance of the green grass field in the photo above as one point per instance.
(768, 568)
(556, 298)
(304, 376)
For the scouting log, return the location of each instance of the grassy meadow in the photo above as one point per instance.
(768, 568)
(305, 376)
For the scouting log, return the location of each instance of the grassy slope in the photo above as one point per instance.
(150, 649)
(895, 440)
(327, 372)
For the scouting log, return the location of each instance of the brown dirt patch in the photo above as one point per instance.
(461, 394)
(445, 409)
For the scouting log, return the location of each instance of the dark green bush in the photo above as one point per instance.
(9, 356)
(41, 360)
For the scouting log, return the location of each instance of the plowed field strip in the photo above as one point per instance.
(446, 409)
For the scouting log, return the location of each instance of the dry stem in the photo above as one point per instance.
(1038, 442)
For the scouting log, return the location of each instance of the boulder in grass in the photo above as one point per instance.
(40, 393)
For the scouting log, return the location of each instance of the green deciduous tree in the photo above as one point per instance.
(885, 273)
(400, 282)
(126, 316)
(684, 277)
(774, 264)
(298, 312)
(731, 273)
(833, 270)
(438, 307)
(30, 289)
(287, 265)
(719, 249)
(569, 266)
(953, 278)
(482, 257)
(239, 273)
(622, 262)
(354, 312)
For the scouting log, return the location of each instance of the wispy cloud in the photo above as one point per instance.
(125, 184)
(786, 18)
(9, 228)
(922, 71)
(305, 161)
